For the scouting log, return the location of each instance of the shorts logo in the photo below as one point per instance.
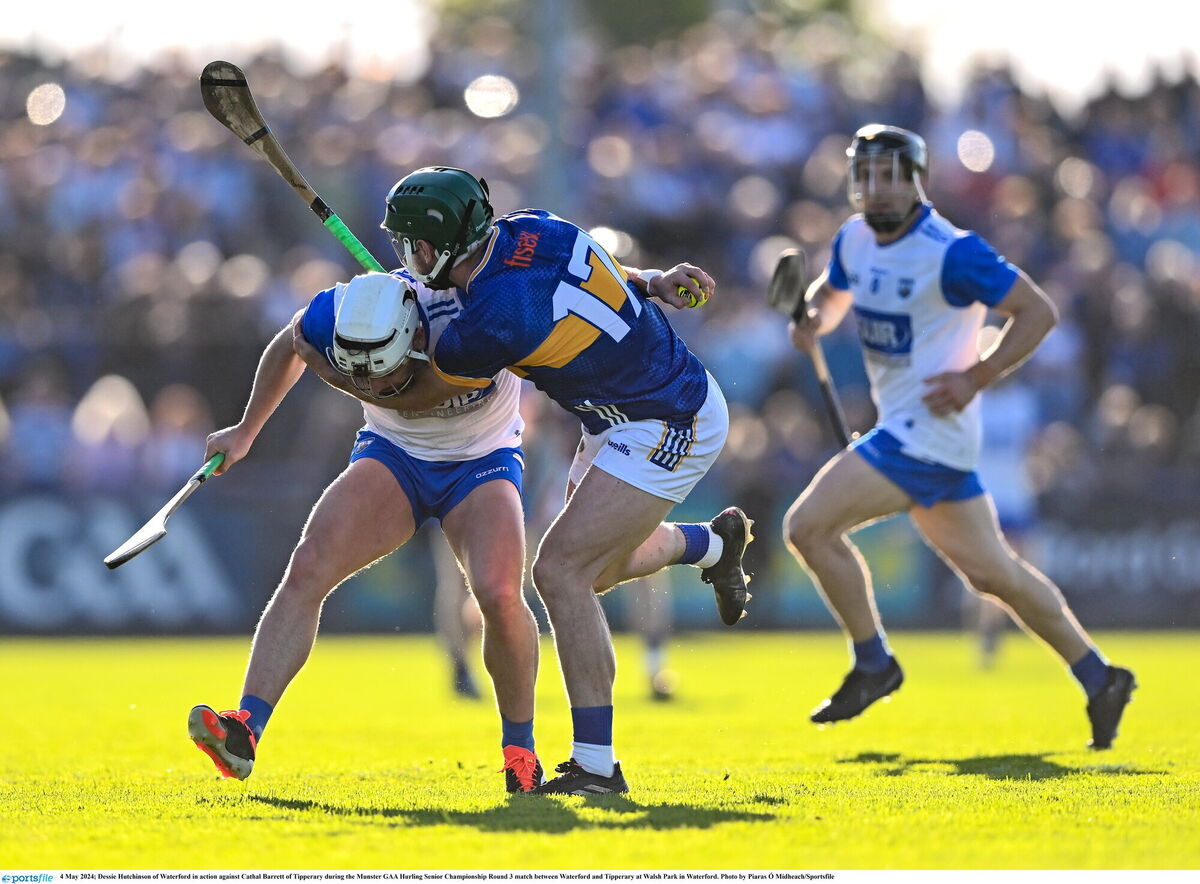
(491, 472)
(620, 447)
(522, 255)
(674, 446)
(361, 446)
(609, 413)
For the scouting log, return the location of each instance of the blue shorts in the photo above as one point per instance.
(924, 481)
(434, 488)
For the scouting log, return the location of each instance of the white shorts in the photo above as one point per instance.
(661, 458)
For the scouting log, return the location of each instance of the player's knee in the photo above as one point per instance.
(803, 530)
(498, 598)
(995, 579)
(552, 577)
(307, 574)
(543, 575)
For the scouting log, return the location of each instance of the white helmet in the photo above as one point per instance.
(374, 326)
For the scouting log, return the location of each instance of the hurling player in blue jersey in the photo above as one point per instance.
(456, 459)
(920, 289)
(542, 300)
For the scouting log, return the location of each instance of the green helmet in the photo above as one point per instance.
(447, 207)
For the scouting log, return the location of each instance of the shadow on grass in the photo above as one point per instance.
(534, 814)
(994, 767)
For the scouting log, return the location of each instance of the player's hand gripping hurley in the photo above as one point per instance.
(227, 96)
(786, 292)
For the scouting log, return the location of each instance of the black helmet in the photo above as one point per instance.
(876, 138)
(887, 162)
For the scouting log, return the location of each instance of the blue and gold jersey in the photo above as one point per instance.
(548, 303)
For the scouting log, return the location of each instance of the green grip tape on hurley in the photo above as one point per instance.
(350, 241)
(210, 466)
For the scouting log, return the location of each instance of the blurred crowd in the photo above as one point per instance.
(146, 256)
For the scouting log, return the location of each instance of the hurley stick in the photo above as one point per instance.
(156, 528)
(789, 283)
(227, 97)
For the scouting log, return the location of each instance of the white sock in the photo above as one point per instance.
(594, 758)
(716, 546)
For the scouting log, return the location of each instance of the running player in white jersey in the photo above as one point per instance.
(920, 289)
(458, 461)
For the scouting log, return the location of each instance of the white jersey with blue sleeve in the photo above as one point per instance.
(466, 427)
(919, 303)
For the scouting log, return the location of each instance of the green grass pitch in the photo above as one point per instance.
(369, 763)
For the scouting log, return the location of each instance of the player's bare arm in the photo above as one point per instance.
(826, 307)
(315, 360)
(277, 372)
(427, 390)
(1031, 316)
(665, 284)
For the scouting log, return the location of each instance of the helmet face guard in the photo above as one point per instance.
(439, 276)
(884, 183)
(373, 331)
(447, 208)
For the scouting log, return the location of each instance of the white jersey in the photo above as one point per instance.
(919, 303)
(470, 425)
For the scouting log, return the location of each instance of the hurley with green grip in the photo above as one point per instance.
(227, 97)
(156, 529)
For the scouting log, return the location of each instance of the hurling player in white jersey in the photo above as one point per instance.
(920, 289)
(458, 461)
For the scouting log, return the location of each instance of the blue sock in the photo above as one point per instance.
(872, 655)
(260, 713)
(516, 733)
(1091, 670)
(592, 724)
(695, 540)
